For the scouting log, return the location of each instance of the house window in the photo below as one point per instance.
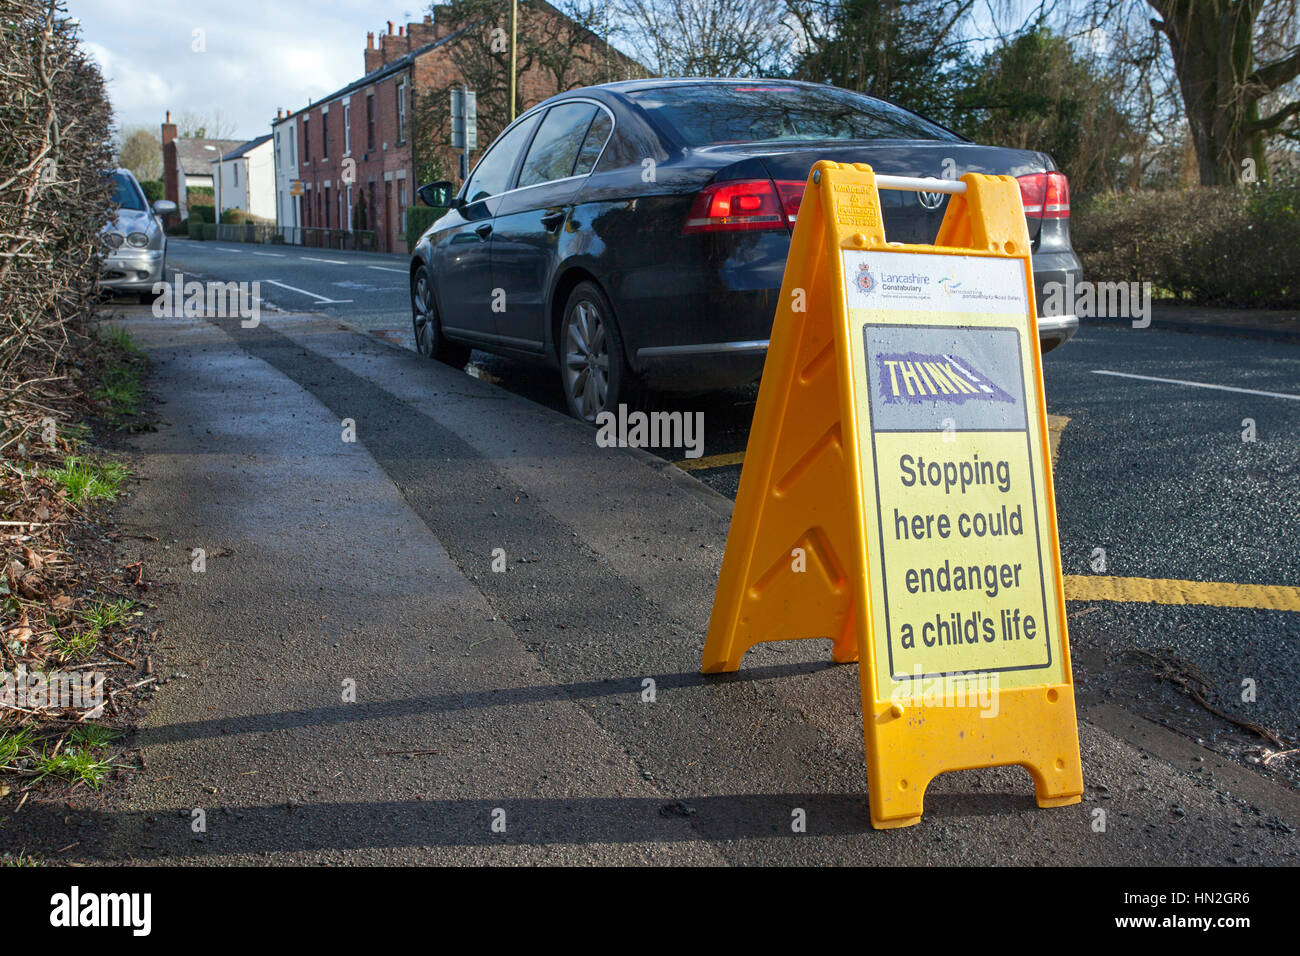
(327, 207)
(306, 141)
(324, 135)
(401, 112)
(401, 204)
(347, 128)
(235, 169)
(370, 121)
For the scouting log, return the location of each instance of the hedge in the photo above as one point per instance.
(1233, 246)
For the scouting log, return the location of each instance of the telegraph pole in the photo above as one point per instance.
(514, 53)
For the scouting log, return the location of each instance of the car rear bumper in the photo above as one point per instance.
(135, 270)
(708, 327)
(712, 365)
(1054, 330)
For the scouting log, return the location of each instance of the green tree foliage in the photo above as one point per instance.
(906, 51)
(141, 152)
(1036, 91)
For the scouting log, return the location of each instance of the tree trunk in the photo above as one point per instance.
(1211, 43)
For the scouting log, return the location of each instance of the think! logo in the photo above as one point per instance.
(915, 377)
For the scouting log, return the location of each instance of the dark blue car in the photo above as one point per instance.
(634, 235)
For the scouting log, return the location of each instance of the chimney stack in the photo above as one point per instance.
(374, 57)
(168, 130)
(420, 33)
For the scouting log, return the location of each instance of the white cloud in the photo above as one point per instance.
(258, 55)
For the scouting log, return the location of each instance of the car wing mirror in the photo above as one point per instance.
(441, 194)
(164, 207)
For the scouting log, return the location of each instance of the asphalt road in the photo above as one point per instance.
(366, 288)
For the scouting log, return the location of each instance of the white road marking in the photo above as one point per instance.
(333, 262)
(1179, 381)
(387, 269)
(272, 255)
(318, 298)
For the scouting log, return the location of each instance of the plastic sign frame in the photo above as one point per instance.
(812, 530)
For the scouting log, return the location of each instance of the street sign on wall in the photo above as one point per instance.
(897, 497)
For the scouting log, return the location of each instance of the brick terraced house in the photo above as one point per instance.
(358, 149)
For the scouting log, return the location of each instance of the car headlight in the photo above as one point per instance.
(138, 239)
(113, 240)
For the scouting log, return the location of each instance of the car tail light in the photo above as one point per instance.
(1045, 195)
(745, 204)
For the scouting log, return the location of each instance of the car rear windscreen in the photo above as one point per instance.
(716, 113)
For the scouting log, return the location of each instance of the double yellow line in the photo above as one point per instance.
(1087, 587)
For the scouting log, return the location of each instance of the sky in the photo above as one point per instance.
(256, 56)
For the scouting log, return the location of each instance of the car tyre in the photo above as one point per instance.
(427, 328)
(594, 371)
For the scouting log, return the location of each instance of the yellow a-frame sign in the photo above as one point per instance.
(897, 492)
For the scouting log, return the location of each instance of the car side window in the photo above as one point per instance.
(594, 142)
(556, 144)
(492, 174)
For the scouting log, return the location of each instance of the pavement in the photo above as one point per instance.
(553, 711)
(1280, 324)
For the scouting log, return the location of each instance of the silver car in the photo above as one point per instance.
(135, 247)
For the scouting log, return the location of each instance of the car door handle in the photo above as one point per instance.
(484, 230)
(553, 220)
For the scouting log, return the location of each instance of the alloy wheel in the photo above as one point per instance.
(422, 314)
(586, 359)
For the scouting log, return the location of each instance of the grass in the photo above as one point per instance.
(75, 764)
(81, 759)
(77, 644)
(121, 386)
(14, 746)
(119, 336)
(120, 390)
(21, 858)
(93, 735)
(105, 614)
(86, 479)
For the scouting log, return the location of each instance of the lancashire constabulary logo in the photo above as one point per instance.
(865, 282)
(914, 377)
